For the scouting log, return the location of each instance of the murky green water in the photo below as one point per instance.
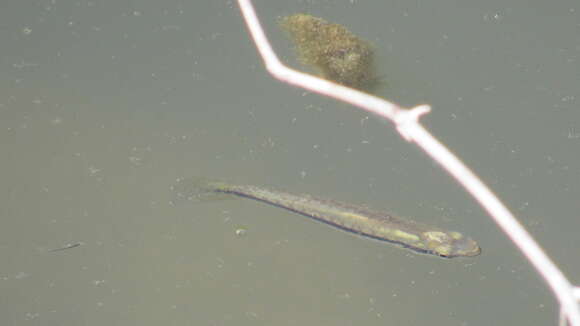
(104, 105)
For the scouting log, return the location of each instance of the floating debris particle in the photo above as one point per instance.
(241, 231)
(335, 52)
(68, 246)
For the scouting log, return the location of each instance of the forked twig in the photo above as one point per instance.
(407, 124)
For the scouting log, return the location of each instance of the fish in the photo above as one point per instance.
(353, 218)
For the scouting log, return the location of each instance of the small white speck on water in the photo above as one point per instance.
(241, 232)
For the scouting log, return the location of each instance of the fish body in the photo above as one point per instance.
(353, 218)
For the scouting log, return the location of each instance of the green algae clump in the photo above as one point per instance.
(336, 53)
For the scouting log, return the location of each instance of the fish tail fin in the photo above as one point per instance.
(199, 189)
